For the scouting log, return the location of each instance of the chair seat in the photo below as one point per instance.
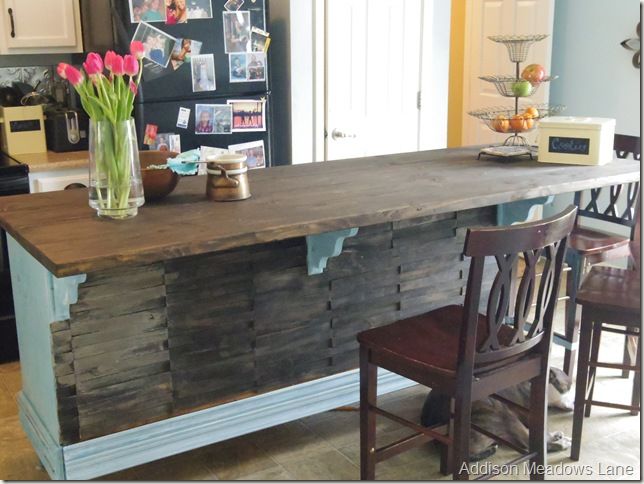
(430, 340)
(611, 289)
(588, 241)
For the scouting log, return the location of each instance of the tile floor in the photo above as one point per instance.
(325, 446)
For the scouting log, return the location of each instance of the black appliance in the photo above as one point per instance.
(160, 98)
(66, 130)
(14, 180)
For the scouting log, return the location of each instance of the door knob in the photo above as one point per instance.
(336, 134)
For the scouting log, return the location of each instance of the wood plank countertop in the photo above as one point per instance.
(63, 233)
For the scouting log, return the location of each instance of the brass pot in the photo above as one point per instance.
(157, 184)
(227, 178)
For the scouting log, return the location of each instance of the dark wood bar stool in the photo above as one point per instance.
(467, 356)
(588, 247)
(609, 297)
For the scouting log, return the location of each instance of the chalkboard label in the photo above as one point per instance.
(571, 146)
(24, 125)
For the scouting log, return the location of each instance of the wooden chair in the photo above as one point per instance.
(588, 247)
(609, 297)
(461, 353)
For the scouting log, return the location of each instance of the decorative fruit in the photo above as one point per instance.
(521, 88)
(531, 112)
(517, 123)
(534, 73)
(501, 124)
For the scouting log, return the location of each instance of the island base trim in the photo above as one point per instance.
(132, 447)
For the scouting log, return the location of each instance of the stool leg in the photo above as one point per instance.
(630, 344)
(592, 371)
(537, 424)
(368, 382)
(461, 437)
(581, 382)
(573, 280)
(637, 388)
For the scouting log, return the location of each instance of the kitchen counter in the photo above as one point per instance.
(196, 321)
(50, 161)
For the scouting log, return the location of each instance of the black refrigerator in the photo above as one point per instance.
(164, 91)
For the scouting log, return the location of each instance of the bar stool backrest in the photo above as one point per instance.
(622, 203)
(545, 239)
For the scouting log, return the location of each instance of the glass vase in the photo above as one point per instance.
(115, 186)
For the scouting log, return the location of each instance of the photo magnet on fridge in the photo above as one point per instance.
(147, 11)
(150, 134)
(233, 5)
(204, 119)
(199, 9)
(175, 143)
(176, 12)
(203, 73)
(223, 118)
(238, 68)
(248, 115)
(183, 118)
(161, 142)
(236, 31)
(260, 40)
(254, 151)
(183, 51)
(247, 67)
(158, 45)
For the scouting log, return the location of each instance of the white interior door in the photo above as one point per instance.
(484, 57)
(373, 77)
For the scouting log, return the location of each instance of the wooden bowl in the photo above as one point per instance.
(157, 184)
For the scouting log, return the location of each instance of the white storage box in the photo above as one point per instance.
(576, 140)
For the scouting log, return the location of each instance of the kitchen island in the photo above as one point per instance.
(198, 321)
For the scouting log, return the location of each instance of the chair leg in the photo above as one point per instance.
(581, 382)
(461, 437)
(537, 426)
(573, 279)
(637, 384)
(447, 451)
(368, 382)
(592, 371)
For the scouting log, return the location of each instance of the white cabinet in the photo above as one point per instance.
(51, 181)
(40, 27)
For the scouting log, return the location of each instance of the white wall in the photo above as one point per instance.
(596, 76)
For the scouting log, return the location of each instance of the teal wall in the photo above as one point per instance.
(596, 76)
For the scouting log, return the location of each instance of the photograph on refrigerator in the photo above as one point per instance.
(203, 73)
(204, 119)
(233, 5)
(183, 50)
(223, 118)
(256, 66)
(237, 31)
(147, 11)
(199, 9)
(238, 67)
(254, 151)
(248, 115)
(158, 45)
(176, 12)
(260, 40)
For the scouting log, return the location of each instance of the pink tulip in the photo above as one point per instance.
(117, 65)
(131, 65)
(74, 76)
(93, 64)
(61, 70)
(133, 87)
(137, 49)
(109, 59)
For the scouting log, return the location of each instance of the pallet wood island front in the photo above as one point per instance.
(198, 321)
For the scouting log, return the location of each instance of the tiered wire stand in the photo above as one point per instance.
(498, 118)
